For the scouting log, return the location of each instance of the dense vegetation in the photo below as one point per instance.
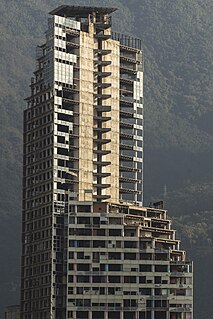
(177, 42)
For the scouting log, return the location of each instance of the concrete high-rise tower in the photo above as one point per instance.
(90, 249)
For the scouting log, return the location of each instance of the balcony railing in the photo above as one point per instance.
(127, 40)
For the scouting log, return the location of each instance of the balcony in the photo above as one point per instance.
(102, 74)
(127, 169)
(102, 51)
(102, 63)
(127, 136)
(102, 185)
(72, 44)
(103, 36)
(126, 98)
(102, 85)
(101, 197)
(102, 118)
(102, 141)
(127, 69)
(127, 190)
(126, 179)
(102, 152)
(102, 108)
(126, 158)
(102, 174)
(101, 163)
(102, 96)
(125, 146)
(102, 129)
(127, 113)
(127, 125)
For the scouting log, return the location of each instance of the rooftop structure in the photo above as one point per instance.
(81, 11)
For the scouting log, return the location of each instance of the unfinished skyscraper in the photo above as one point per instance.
(90, 248)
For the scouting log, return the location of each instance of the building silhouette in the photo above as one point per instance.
(90, 248)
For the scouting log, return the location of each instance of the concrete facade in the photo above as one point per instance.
(12, 312)
(83, 183)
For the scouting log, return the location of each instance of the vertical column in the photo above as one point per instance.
(86, 116)
(113, 135)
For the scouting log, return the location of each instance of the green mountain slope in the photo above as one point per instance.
(178, 48)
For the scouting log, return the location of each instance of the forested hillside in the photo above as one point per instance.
(178, 49)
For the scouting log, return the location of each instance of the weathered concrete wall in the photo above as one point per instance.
(114, 79)
(86, 116)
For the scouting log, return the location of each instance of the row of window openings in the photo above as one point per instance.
(131, 120)
(33, 169)
(37, 156)
(41, 246)
(130, 303)
(132, 164)
(120, 267)
(38, 111)
(43, 98)
(67, 50)
(108, 279)
(39, 122)
(131, 175)
(130, 131)
(44, 234)
(41, 280)
(126, 256)
(37, 293)
(39, 178)
(41, 269)
(40, 99)
(129, 280)
(49, 117)
(37, 305)
(38, 201)
(65, 61)
(123, 131)
(37, 213)
(116, 314)
(39, 88)
(68, 38)
(103, 243)
(39, 133)
(65, 174)
(38, 145)
(131, 110)
(94, 220)
(73, 153)
(37, 258)
(38, 190)
(58, 25)
(143, 279)
(38, 224)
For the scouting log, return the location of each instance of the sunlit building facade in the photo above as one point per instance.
(90, 248)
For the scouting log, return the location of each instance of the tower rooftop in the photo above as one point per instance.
(70, 11)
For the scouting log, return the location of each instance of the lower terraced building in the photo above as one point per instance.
(124, 262)
(90, 250)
